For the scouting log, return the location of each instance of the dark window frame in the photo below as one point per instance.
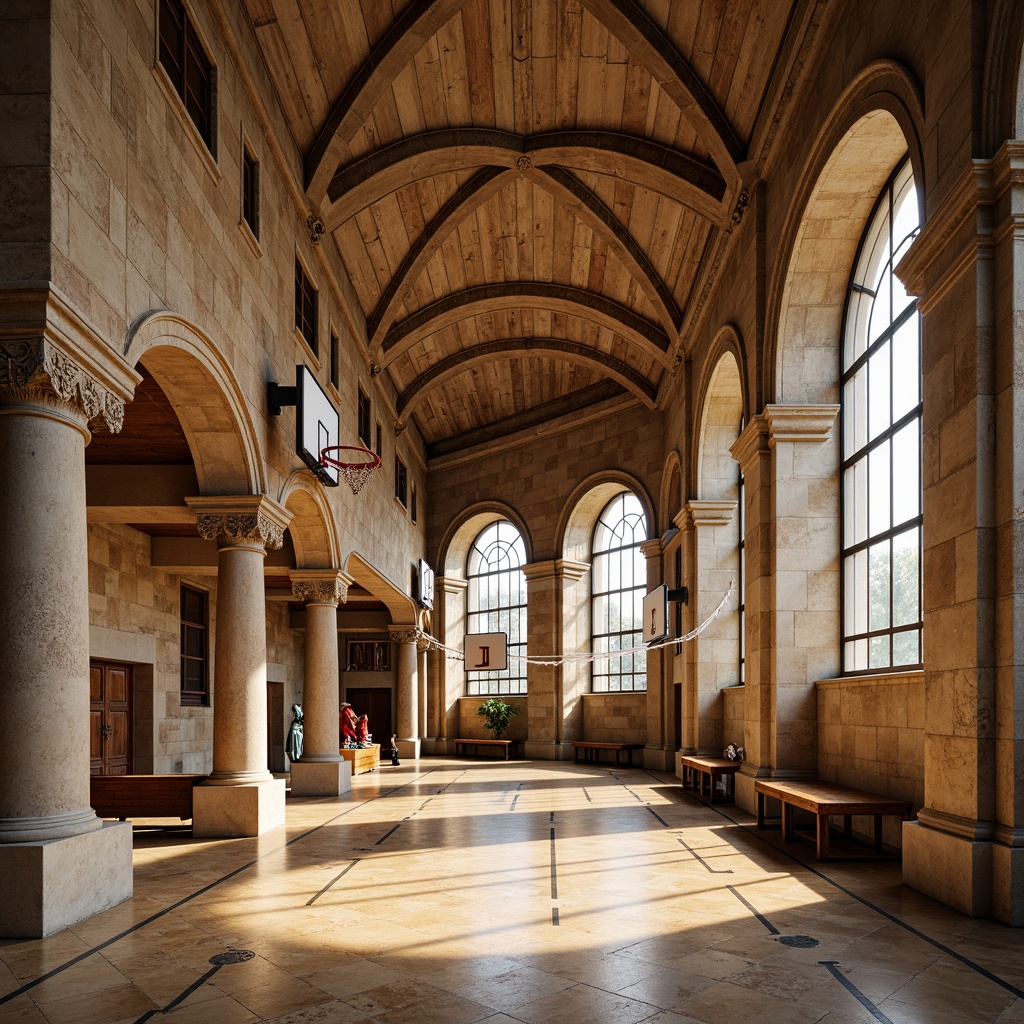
(364, 417)
(306, 298)
(189, 69)
(197, 627)
(401, 482)
(251, 192)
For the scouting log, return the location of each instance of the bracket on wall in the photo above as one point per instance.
(681, 595)
(278, 396)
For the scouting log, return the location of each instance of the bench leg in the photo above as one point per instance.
(847, 825)
(878, 833)
(787, 822)
(760, 810)
(822, 837)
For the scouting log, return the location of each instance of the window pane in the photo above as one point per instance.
(906, 369)
(879, 656)
(879, 392)
(906, 578)
(906, 458)
(878, 489)
(855, 503)
(878, 583)
(855, 600)
(855, 413)
(907, 648)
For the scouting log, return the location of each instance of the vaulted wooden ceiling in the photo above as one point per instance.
(523, 191)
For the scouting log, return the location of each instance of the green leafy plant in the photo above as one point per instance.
(497, 714)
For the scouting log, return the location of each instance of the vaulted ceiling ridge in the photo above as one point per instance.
(421, 19)
(563, 186)
(556, 348)
(672, 174)
(490, 298)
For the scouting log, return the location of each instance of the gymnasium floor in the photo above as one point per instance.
(457, 891)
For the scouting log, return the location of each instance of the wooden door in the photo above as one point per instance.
(110, 718)
(275, 727)
(375, 703)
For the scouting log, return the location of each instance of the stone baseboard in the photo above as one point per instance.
(237, 812)
(951, 869)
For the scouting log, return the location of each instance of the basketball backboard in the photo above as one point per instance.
(316, 424)
(656, 614)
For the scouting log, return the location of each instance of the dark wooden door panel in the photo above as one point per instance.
(110, 718)
(375, 703)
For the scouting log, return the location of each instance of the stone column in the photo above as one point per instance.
(407, 685)
(966, 847)
(716, 650)
(241, 797)
(422, 676)
(657, 754)
(687, 661)
(59, 863)
(448, 675)
(554, 704)
(321, 771)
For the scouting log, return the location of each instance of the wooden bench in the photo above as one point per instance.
(824, 801)
(591, 751)
(143, 796)
(506, 746)
(698, 769)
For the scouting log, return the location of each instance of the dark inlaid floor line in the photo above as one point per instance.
(753, 833)
(832, 966)
(222, 960)
(696, 856)
(338, 876)
(60, 968)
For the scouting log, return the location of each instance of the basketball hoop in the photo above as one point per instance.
(355, 473)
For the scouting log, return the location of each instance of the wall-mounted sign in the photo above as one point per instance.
(486, 652)
(425, 584)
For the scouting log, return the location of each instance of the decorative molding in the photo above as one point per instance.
(799, 422)
(403, 634)
(651, 548)
(957, 825)
(742, 202)
(35, 365)
(753, 442)
(249, 519)
(450, 584)
(316, 228)
(320, 586)
(711, 513)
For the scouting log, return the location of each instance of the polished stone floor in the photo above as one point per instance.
(457, 891)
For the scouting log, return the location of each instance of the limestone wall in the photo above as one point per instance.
(615, 717)
(871, 737)
(471, 725)
(733, 715)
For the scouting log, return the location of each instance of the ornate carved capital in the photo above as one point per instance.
(320, 586)
(404, 634)
(35, 368)
(251, 519)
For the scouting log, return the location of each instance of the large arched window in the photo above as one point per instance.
(881, 443)
(618, 586)
(496, 603)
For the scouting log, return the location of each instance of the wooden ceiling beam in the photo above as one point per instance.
(474, 193)
(412, 28)
(651, 48)
(675, 175)
(490, 298)
(554, 348)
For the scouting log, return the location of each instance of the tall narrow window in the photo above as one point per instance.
(379, 449)
(881, 445)
(413, 508)
(251, 192)
(189, 69)
(363, 418)
(401, 482)
(618, 585)
(335, 359)
(194, 647)
(305, 308)
(496, 603)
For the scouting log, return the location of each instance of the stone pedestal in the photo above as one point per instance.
(321, 778)
(241, 797)
(51, 842)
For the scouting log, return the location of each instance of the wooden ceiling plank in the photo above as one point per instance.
(567, 71)
(501, 62)
(636, 98)
(649, 44)
(525, 228)
(560, 299)
(414, 26)
(407, 100)
(544, 214)
(619, 371)
(522, 65)
(476, 31)
(613, 97)
(454, 72)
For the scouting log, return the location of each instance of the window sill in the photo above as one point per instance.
(179, 111)
(247, 234)
(313, 357)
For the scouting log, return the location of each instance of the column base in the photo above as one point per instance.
(1008, 884)
(952, 869)
(409, 749)
(236, 812)
(321, 778)
(546, 750)
(661, 759)
(48, 886)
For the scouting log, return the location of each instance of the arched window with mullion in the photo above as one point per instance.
(618, 585)
(881, 445)
(496, 603)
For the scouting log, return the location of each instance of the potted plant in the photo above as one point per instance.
(497, 714)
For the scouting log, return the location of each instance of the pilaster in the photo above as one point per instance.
(657, 754)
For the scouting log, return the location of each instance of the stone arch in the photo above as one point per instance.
(401, 606)
(576, 523)
(313, 530)
(720, 411)
(879, 118)
(1002, 114)
(455, 544)
(207, 399)
(670, 497)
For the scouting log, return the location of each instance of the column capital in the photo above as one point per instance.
(799, 422)
(450, 584)
(36, 371)
(320, 586)
(549, 569)
(751, 443)
(711, 513)
(247, 519)
(404, 634)
(651, 548)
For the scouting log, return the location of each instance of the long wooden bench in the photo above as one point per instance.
(505, 746)
(591, 751)
(143, 796)
(825, 801)
(698, 770)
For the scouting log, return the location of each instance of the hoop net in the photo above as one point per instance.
(355, 473)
